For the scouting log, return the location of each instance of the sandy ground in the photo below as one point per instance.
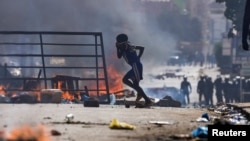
(92, 123)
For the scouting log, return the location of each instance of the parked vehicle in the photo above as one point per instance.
(177, 59)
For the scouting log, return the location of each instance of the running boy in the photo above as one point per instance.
(134, 75)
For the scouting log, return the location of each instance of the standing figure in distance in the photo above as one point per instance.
(209, 91)
(218, 85)
(186, 89)
(201, 88)
(227, 90)
(134, 75)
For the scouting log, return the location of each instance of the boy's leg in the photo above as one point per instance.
(140, 91)
(137, 69)
(135, 74)
(138, 97)
(135, 85)
(127, 80)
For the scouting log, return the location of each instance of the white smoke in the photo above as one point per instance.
(110, 17)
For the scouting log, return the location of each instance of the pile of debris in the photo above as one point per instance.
(221, 114)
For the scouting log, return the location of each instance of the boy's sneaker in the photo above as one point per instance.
(149, 103)
(139, 104)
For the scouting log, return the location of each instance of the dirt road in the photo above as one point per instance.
(92, 123)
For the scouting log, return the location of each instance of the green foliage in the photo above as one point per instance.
(234, 12)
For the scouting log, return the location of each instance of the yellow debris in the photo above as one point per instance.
(115, 124)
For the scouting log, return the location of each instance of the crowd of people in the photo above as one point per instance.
(225, 90)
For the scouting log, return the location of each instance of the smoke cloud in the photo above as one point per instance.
(110, 17)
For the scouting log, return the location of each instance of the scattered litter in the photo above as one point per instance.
(205, 115)
(69, 117)
(204, 118)
(201, 132)
(47, 118)
(115, 124)
(221, 121)
(200, 119)
(86, 124)
(221, 109)
(161, 122)
(112, 99)
(230, 116)
(55, 133)
(238, 120)
(84, 97)
(181, 136)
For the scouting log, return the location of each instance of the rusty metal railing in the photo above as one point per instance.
(41, 56)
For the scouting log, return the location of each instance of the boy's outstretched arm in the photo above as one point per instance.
(141, 50)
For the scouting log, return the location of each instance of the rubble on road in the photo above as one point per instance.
(221, 114)
(229, 115)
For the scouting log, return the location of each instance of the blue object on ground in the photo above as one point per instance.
(84, 98)
(201, 132)
(205, 115)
